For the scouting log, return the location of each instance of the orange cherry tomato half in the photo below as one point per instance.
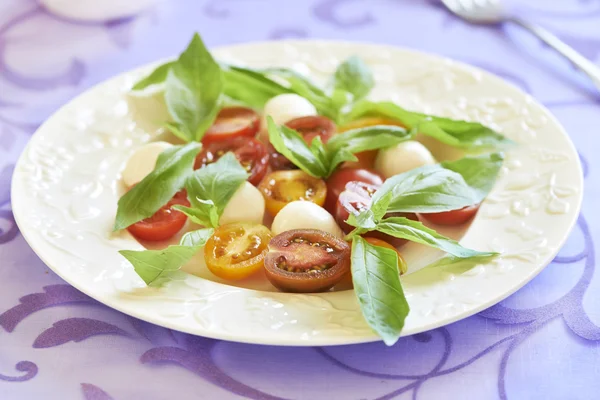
(309, 128)
(306, 261)
(164, 224)
(454, 217)
(282, 187)
(382, 243)
(251, 153)
(232, 122)
(336, 183)
(236, 251)
(366, 159)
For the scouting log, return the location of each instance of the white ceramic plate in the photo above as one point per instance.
(66, 186)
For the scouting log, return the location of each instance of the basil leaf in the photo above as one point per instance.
(154, 266)
(198, 237)
(251, 87)
(291, 144)
(468, 135)
(449, 260)
(463, 134)
(377, 287)
(369, 219)
(369, 138)
(159, 75)
(173, 167)
(211, 187)
(342, 147)
(338, 157)
(415, 231)
(193, 86)
(430, 188)
(479, 172)
(203, 212)
(354, 77)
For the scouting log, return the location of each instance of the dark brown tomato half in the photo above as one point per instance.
(336, 183)
(306, 261)
(309, 128)
(356, 198)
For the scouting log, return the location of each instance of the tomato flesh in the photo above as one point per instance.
(233, 122)
(336, 183)
(309, 128)
(356, 198)
(282, 187)
(236, 251)
(306, 261)
(454, 217)
(164, 224)
(251, 153)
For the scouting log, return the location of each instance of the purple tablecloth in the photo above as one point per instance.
(56, 343)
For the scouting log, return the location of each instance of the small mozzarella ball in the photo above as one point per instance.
(284, 108)
(305, 215)
(246, 205)
(142, 162)
(402, 157)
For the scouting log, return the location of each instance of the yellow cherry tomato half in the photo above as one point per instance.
(282, 187)
(236, 251)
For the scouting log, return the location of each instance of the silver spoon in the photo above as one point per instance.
(492, 12)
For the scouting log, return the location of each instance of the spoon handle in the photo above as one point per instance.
(591, 69)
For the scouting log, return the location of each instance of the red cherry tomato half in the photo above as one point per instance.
(164, 224)
(336, 183)
(233, 122)
(356, 198)
(251, 153)
(309, 128)
(454, 217)
(306, 260)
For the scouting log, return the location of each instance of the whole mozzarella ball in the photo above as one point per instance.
(142, 162)
(402, 157)
(284, 108)
(246, 205)
(305, 215)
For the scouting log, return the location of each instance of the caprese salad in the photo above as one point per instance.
(311, 185)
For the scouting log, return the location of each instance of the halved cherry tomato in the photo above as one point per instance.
(306, 260)
(336, 183)
(232, 122)
(251, 153)
(236, 251)
(366, 159)
(309, 128)
(356, 198)
(164, 224)
(282, 187)
(382, 243)
(454, 217)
